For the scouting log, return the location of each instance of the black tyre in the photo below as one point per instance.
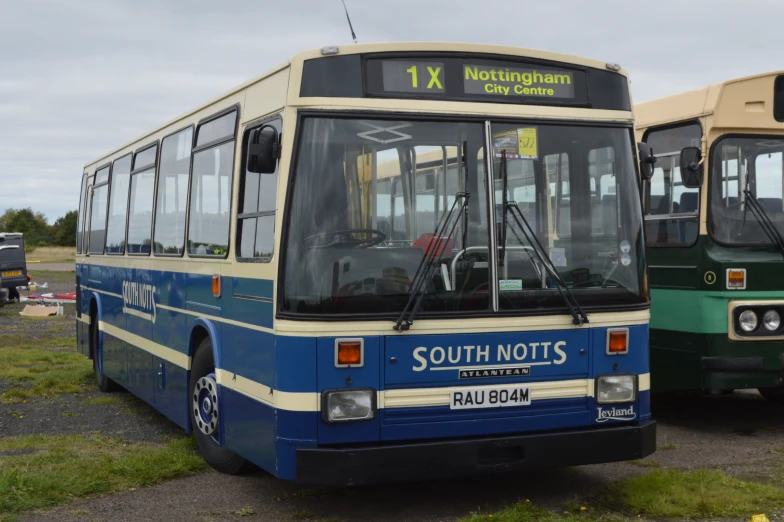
(775, 395)
(104, 383)
(205, 413)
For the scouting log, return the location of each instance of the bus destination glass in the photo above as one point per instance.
(430, 78)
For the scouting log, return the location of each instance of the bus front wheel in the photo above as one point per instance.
(206, 414)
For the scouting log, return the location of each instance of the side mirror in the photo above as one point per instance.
(691, 169)
(647, 160)
(263, 150)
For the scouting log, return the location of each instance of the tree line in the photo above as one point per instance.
(37, 231)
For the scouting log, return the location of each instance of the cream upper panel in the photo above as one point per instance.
(742, 103)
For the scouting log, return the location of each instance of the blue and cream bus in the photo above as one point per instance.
(379, 263)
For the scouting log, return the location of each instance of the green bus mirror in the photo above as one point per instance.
(691, 167)
(647, 160)
(263, 150)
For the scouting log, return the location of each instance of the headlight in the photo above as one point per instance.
(616, 388)
(348, 405)
(771, 320)
(748, 321)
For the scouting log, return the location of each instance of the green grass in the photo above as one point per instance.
(50, 470)
(42, 365)
(51, 276)
(703, 493)
(645, 463)
(528, 512)
(667, 447)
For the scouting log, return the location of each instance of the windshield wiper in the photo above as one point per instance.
(764, 220)
(578, 315)
(434, 250)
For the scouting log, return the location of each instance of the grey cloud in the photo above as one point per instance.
(80, 77)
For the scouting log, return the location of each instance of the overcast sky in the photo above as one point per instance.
(81, 77)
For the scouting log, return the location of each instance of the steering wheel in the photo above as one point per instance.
(337, 238)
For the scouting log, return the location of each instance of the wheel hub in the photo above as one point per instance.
(205, 405)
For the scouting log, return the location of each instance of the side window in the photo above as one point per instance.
(142, 195)
(256, 214)
(557, 166)
(671, 210)
(172, 194)
(80, 219)
(98, 206)
(118, 205)
(210, 197)
(604, 203)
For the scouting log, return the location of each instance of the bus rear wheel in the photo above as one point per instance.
(104, 383)
(205, 413)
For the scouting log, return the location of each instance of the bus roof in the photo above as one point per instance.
(741, 102)
(374, 48)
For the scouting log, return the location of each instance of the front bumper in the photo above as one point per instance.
(432, 460)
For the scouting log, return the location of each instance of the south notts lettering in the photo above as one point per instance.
(545, 352)
(139, 295)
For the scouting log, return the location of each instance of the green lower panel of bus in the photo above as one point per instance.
(691, 350)
(693, 361)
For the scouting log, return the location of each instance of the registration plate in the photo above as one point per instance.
(468, 398)
(12, 273)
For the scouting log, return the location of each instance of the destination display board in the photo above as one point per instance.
(456, 77)
(467, 78)
(514, 81)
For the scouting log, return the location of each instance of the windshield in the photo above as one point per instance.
(368, 195)
(753, 163)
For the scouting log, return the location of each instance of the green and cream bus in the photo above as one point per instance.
(714, 219)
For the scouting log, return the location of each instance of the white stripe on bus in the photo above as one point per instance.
(425, 326)
(159, 350)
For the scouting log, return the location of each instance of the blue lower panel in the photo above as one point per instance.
(441, 422)
(249, 429)
(171, 391)
(140, 381)
(114, 358)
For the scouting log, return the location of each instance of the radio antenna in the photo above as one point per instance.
(354, 36)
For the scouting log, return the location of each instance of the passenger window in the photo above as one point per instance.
(219, 128)
(671, 210)
(557, 166)
(256, 219)
(80, 219)
(768, 169)
(208, 230)
(604, 204)
(140, 217)
(172, 195)
(98, 212)
(118, 206)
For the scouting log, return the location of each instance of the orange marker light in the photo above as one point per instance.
(349, 352)
(736, 279)
(617, 341)
(216, 285)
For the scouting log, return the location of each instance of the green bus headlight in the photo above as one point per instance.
(771, 320)
(748, 321)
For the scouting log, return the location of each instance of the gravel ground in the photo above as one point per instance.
(735, 433)
(740, 434)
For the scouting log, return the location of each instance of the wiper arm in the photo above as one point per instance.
(578, 315)
(434, 250)
(764, 220)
